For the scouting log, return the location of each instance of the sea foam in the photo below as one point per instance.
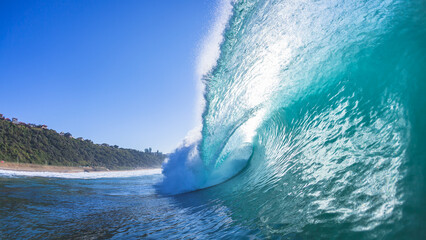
(81, 175)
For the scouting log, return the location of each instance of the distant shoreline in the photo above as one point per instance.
(47, 150)
(28, 167)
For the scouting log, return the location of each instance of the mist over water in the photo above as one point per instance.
(315, 111)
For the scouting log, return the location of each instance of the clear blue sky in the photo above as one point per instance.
(116, 72)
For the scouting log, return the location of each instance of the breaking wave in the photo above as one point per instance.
(315, 113)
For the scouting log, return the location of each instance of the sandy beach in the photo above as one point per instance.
(28, 167)
(34, 170)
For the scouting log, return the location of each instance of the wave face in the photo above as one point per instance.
(316, 110)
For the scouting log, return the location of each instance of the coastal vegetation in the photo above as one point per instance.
(36, 144)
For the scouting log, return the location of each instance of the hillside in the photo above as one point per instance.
(29, 143)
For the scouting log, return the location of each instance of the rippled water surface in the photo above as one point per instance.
(114, 208)
(130, 208)
(314, 127)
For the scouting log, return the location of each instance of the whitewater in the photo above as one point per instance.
(313, 118)
(81, 175)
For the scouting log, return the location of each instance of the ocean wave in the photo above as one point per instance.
(314, 116)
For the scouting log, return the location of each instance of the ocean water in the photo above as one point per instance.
(111, 208)
(314, 120)
(313, 127)
(107, 208)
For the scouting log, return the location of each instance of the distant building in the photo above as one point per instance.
(43, 126)
(15, 121)
(62, 133)
(1, 116)
(32, 125)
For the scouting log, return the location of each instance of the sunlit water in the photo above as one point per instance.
(313, 128)
(116, 208)
(317, 111)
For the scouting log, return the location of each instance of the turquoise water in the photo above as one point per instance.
(315, 111)
(313, 127)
